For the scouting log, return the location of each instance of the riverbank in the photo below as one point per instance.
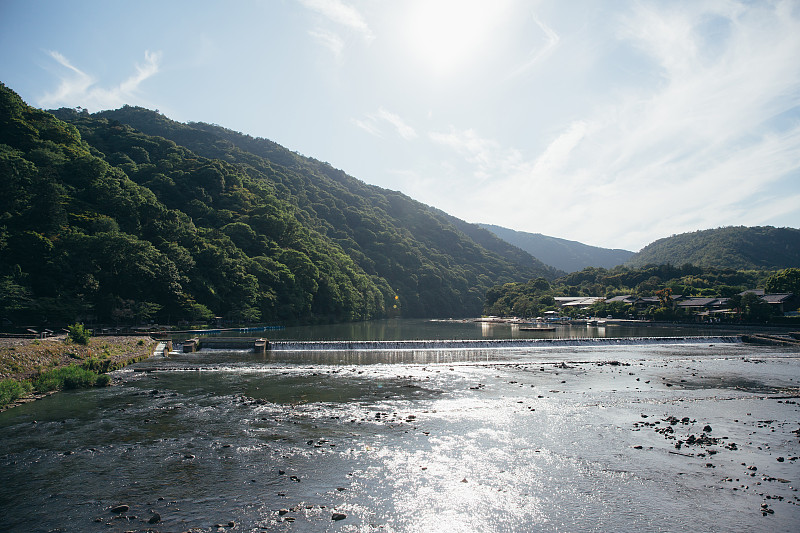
(23, 360)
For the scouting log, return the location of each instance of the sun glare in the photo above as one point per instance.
(445, 36)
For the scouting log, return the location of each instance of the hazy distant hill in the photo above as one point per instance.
(569, 256)
(739, 247)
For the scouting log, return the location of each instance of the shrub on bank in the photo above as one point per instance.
(78, 334)
(68, 377)
(11, 390)
(99, 366)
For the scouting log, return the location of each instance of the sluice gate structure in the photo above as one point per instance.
(257, 345)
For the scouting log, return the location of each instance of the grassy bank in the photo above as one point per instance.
(31, 367)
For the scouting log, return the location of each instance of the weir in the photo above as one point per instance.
(257, 345)
(490, 343)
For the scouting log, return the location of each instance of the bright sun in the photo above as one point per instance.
(447, 35)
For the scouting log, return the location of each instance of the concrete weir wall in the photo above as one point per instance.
(163, 348)
(223, 343)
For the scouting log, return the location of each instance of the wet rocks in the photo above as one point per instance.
(155, 519)
(120, 509)
(338, 516)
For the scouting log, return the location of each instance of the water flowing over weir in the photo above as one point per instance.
(490, 343)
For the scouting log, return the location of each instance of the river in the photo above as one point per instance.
(691, 435)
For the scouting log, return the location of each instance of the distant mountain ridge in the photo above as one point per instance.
(737, 247)
(563, 254)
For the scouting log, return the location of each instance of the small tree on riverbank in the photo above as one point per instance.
(78, 334)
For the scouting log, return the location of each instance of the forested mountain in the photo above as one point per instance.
(739, 247)
(569, 256)
(101, 221)
(440, 265)
(321, 192)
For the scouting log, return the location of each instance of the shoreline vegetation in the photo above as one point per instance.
(33, 368)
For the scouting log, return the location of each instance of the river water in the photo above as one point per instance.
(693, 435)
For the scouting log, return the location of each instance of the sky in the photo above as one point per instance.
(613, 122)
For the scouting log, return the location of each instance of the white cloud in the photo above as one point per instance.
(369, 125)
(551, 40)
(557, 153)
(341, 13)
(79, 88)
(486, 157)
(330, 40)
(373, 122)
(143, 72)
(76, 82)
(403, 129)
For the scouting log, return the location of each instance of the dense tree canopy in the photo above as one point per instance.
(787, 280)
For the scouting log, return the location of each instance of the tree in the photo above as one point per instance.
(78, 334)
(665, 297)
(13, 297)
(753, 308)
(787, 280)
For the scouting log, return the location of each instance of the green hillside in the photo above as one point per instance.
(439, 265)
(740, 247)
(99, 221)
(563, 254)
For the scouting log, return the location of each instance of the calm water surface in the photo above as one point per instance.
(411, 329)
(559, 438)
